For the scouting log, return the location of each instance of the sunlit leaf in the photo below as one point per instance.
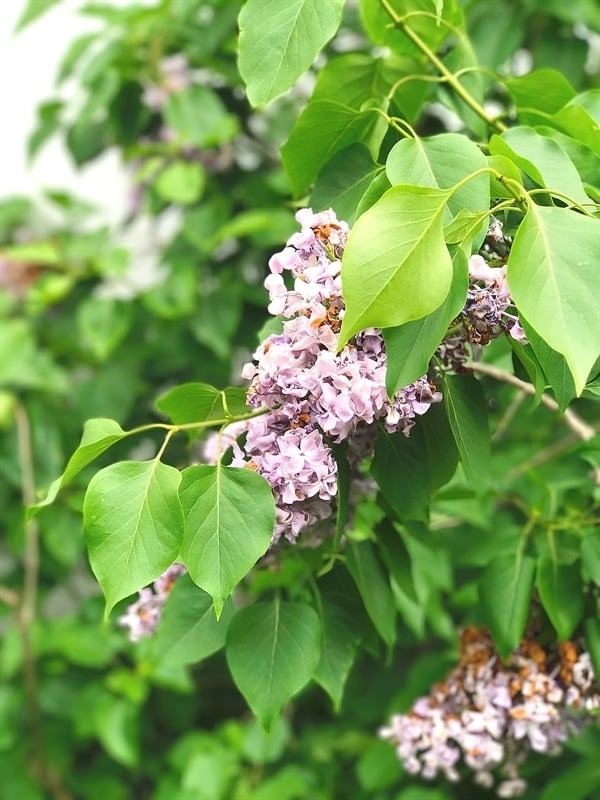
(396, 265)
(555, 282)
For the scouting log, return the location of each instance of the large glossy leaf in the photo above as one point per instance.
(189, 630)
(279, 40)
(272, 651)
(555, 282)
(561, 594)
(133, 525)
(373, 587)
(410, 347)
(396, 265)
(542, 159)
(229, 519)
(323, 129)
(505, 593)
(441, 162)
(466, 407)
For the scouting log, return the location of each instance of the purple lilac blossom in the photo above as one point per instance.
(142, 617)
(488, 715)
(318, 398)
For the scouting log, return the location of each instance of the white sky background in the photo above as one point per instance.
(28, 65)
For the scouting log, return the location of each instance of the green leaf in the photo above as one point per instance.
(555, 283)
(189, 631)
(371, 582)
(374, 192)
(200, 402)
(103, 324)
(542, 159)
(591, 629)
(181, 182)
(279, 41)
(229, 519)
(343, 181)
(560, 591)
(545, 90)
(352, 79)
(323, 129)
(465, 404)
(411, 346)
(441, 162)
(590, 556)
(133, 525)
(578, 782)
(396, 266)
(378, 23)
(33, 10)
(505, 593)
(394, 455)
(506, 168)
(272, 651)
(554, 365)
(199, 117)
(340, 642)
(73, 54)
(98, 435)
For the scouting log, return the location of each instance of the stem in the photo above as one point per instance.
(26, 611)
(580, 428)
(561, 196)
(466, 96)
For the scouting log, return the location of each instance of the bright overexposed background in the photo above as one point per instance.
(28, 65)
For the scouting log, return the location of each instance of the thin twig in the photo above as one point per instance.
(26, 611)
(579, 427)
(508, 416)
(464, 94)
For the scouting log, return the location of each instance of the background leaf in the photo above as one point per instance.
(560, 588)
(505, 593)
(272, 651)
(189, 630)
(373, 587)
(465, 404)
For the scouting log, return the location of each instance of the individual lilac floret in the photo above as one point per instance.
(143, 616)
(488, 715)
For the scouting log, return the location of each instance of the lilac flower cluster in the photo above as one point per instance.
(490, 715)
(142, 617)
(315, 396)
